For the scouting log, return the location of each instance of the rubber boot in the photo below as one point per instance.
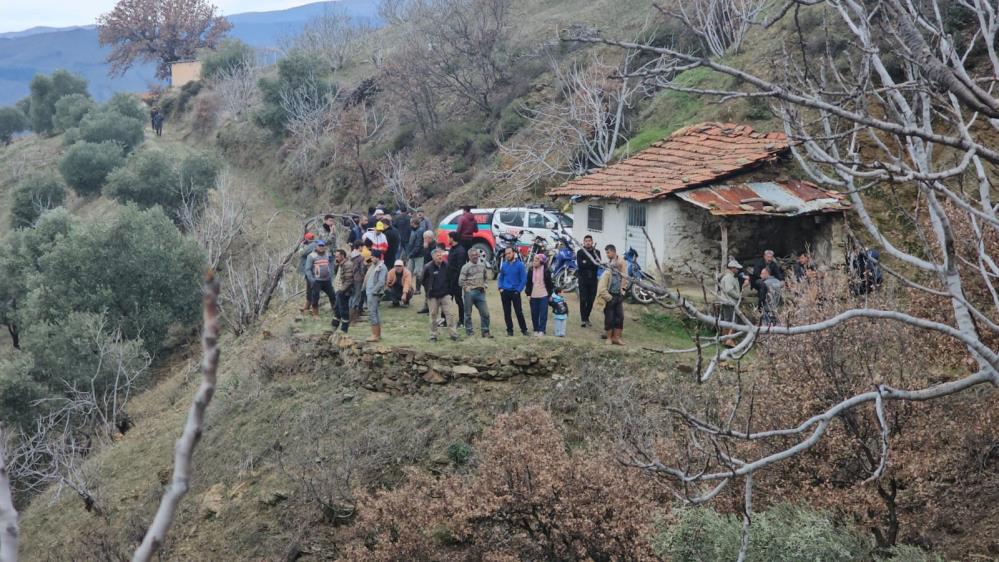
(335, 323)
(376, 334)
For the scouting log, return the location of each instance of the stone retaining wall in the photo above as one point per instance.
(401, 370)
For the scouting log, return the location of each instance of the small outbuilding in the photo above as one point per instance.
(705, 193)
(184, 71)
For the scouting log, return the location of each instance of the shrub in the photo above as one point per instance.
(70, 110)
(187, 93)
(12, 121)
(127, 105)
(459, 453)
(529, 499)
(198, 172)
(230, 54)
(18, 390)
(33, 196)
(87, 165)
(299, 74)
(782, 534)
(104, 126)
(71, 136)
(45, 92)
(134, 267)
(148, 178)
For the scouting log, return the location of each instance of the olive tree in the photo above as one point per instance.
(86, 165)
(33, 196)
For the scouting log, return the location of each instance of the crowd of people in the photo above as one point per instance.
(453, 278)
(394, 258)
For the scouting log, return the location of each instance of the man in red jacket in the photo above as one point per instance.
(467, 227)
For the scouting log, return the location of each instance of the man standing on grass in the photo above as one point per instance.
(374, 288)
(472, 280)
(467, 227)
(319, 269)
(511, 281)
(586, 270)
(308, 246)
(611, 291)
(343, 288)
(439, 295)
(456, 259)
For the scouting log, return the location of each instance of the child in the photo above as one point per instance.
(560, 311)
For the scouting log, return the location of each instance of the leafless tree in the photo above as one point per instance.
(902, 101)
(236, 86)
(193, 428)
(8, 514)
(579, 130)
(721, 25)
(335, 37)
(400, 179)
(218, 223)
(247, 280)
(313, 118)
(55, 456)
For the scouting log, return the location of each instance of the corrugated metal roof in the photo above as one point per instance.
(787, 198)
(693, 156)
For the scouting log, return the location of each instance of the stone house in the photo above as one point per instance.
(705, 193)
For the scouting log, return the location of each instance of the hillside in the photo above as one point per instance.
(319, 446)
(43, 50)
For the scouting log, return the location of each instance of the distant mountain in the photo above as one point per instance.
(23, 54)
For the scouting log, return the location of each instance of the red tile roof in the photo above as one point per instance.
(690, 157)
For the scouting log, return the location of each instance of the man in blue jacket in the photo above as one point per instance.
(511, 281)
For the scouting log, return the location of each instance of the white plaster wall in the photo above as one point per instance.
(615, 220)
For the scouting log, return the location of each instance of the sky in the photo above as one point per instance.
(17, 15)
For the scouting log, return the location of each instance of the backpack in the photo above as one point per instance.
(321, 267)
(559, 307)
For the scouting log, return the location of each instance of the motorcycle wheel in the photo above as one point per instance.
(567, 280)
(641, 295)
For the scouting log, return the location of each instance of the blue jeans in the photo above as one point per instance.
(476, 298)
(539, 314)
(560, 326)
(373, 301)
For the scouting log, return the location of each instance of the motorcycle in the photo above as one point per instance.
(639, 293)
(539, 246)
(564, 266)
(503, 241)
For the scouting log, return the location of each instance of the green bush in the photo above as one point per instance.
(19, 390)
(12, 121)
(187, 93)
(198, 172)
(71, 136)
(459, 453)
(87, 165)
(70, 110)
(45, 92)
(135, 267)
(33, 196)
(783, 534)
(299, 74)
(102, 126)
(229, 54)
(127, 105)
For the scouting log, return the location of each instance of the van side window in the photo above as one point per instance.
(535, 220)
(512, 218)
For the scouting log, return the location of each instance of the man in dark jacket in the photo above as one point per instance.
(402, 226)
(439, 294)
(467, 227)
(775, 272)
(586, 271)
(456, 259)
(394, 241)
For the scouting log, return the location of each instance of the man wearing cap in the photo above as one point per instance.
(438, 290)
(319, 270)
(400, 284)
(374, 288)
(377, 237)
(308, 246)
(472, 279)
(730, 294)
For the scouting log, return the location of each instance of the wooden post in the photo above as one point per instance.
(724, 244)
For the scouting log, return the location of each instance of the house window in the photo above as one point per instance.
(595, 218)
(636, 214)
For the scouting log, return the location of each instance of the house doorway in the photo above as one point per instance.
(634, 234)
